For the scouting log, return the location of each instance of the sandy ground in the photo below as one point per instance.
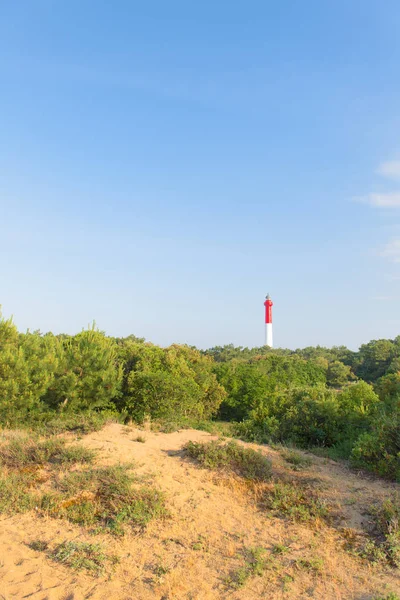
(195, 554)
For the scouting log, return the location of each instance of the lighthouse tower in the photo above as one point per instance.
(268, 321)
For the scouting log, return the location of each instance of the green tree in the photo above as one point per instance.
(88, 376)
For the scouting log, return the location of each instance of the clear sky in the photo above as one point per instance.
(164, 165)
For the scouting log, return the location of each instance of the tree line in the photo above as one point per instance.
(345, 403)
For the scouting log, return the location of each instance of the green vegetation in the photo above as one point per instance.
(295, 502)
(231, 457)
(255, 565)
(295, 459)
(27, 451)
(387, 530)
(344, 403)
(77, 555)
(109, 498)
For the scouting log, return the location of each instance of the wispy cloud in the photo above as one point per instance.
(381, 200)
(390, 169)
(392, 251)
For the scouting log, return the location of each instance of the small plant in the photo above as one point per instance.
(280, 549)
(294, 458)
(231, 457)
(15, 494)
(314, 565)
(83, 556)
(201, 544)
(255, 565)
(295, 502)
(387, 532)
(38, 545)
(391, 596)
(140, 438)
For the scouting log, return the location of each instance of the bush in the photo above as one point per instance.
(168, 383)
(231, 457)
(379, 450)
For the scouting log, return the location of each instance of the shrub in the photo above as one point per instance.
(169, 383)
(379, 450)
(231, 457)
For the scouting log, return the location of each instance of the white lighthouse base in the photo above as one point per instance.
(268, 335)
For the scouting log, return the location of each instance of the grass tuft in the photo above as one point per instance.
(314, 565)
(38, 545)
(231, 457)
(387, 532)
(296, 459)
(15, 494)
(27, 451)
(295, 502)
(108, 497)
(83, 556)
(255, 565)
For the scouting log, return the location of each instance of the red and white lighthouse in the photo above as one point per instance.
(268, 321)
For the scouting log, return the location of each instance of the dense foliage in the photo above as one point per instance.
(346, 403)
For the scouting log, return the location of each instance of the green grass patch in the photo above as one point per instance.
(297, 460)
(297, 503)
(231, 457)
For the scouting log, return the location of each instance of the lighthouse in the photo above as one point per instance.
(268, 321)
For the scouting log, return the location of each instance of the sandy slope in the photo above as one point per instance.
(194, 553)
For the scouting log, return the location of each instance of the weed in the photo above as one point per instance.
(391, 596)
(140, 438)
(280, 549)
(232, 457)
(201, 544)
(387, 531)
(255, 565)
(295, 502)
(81, 555)
(294, 458)
(15, 494)
(38, 545)
(314, 565)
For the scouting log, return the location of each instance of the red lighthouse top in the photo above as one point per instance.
(268, 309)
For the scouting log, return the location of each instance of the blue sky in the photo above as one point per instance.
(164, 165)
